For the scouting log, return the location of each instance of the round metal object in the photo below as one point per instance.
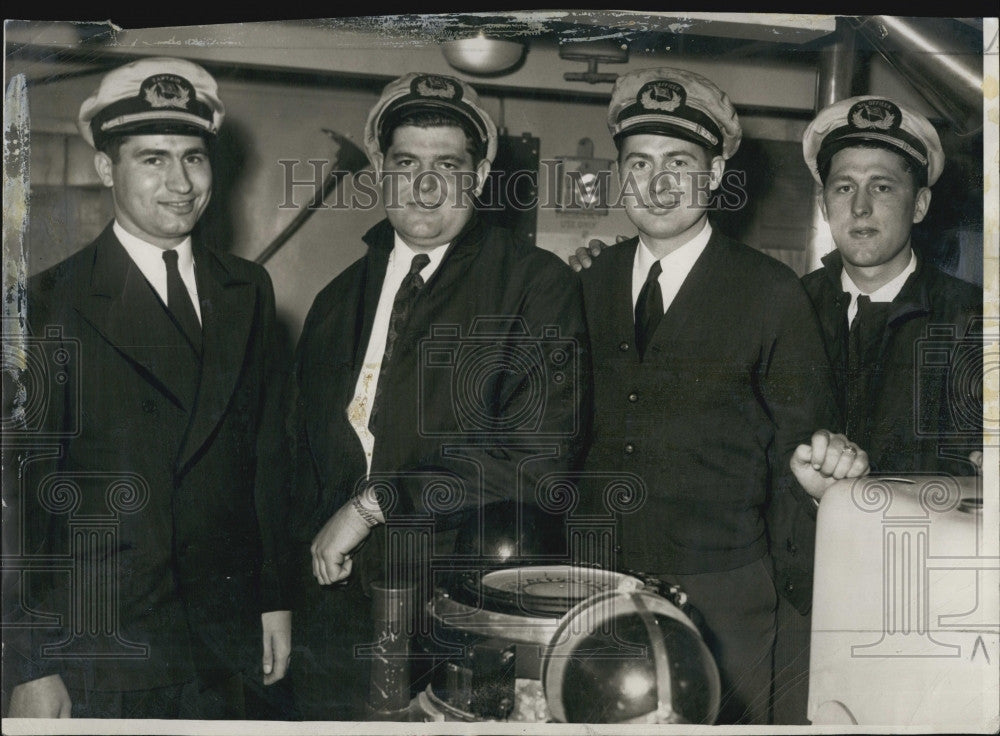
(629, 657)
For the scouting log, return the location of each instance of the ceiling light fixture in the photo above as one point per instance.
(482, 55)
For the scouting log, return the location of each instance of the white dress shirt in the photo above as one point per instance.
(885, 293)
(676, 266)
(360, 409)
(148, 258)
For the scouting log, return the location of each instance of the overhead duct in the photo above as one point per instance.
(834, 82)
(936, 56)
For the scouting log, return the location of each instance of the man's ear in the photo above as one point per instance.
(378, 161)
(822, 206)
(482, 171)
(104, 166)
(717, 168)
(921, 204)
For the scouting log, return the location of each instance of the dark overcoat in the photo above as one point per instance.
(489, 383)
(144, 480)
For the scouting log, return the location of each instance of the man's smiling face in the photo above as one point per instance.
(161, 185)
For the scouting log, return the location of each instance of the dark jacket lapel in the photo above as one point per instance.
(121, 305)
(228, 306)
(912, 300)
(696, 293)
(461, 251)
(380, 242)
(832, 312)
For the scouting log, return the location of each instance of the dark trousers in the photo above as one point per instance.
(194, 699)
(739, 608)
(329, 679)
(224, 697)
(791, 666)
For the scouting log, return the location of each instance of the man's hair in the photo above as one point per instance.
(112, 146)
(917, 173)
(436, 119)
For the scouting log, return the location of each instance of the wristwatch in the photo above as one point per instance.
(364, 511)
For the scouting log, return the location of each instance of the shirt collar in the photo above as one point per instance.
(681, 261)
(885, 293)
(402, 255)
(144, 253)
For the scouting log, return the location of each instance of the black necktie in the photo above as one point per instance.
(863, 343)
(854, 339)
(648, 309)
(179, 302)
(402, 305)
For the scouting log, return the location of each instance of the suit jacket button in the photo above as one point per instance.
(633, 397)
(791, 546)
(789, 587)
(623, 346)
(149, 406)
(629, 448)
(617, 549)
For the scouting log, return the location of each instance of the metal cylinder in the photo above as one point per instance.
(392, 613)
(836, 68)
(834, 81)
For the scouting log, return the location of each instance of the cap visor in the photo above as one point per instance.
(875, 140)
(671, 131)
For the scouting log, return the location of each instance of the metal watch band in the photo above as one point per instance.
(369, 517)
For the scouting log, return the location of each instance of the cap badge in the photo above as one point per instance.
(167, 90)
(874, 114)
(662, 95)
(430, 86)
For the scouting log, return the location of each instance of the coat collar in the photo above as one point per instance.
(380, 239)
(123, 308)
(912, 300)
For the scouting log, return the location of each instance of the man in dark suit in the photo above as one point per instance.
(156, 497)
(709, 373)
(887, 319)
(447, 368)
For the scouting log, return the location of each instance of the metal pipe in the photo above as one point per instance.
(837, 61)
(836, 68)
(934, 57)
